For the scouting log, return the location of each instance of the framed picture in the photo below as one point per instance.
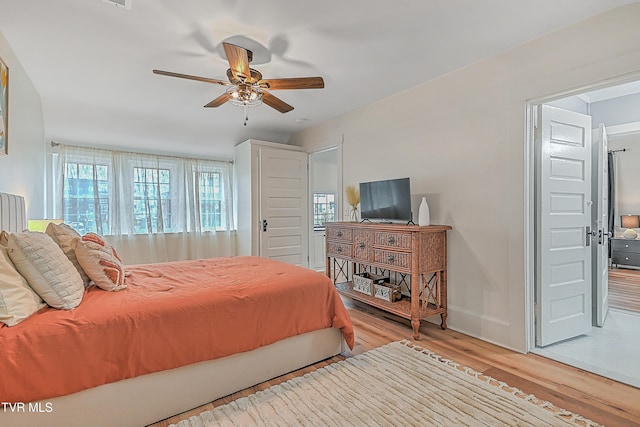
(4, 107)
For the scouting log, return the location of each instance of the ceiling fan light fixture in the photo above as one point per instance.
(245, 95)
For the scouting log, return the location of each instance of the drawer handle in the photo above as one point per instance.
(626, 246)
(391, 240)
(390, 258)
(361, 245)
(339, 234)
(339, 250)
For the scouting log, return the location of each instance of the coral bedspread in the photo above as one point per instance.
(171, 314)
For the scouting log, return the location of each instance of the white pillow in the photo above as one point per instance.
(47, 269)
(101, 262)
(63, 235)
(17, 300)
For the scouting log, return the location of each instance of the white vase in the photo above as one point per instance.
(423, 213)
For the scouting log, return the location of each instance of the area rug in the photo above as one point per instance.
(398, 384)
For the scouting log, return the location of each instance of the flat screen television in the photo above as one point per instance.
(388, 200)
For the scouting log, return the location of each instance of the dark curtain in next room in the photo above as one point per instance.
(611, 194)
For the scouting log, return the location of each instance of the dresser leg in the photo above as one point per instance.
(415, 324)
(443, 325)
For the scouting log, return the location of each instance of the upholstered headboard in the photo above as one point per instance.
(13, 216)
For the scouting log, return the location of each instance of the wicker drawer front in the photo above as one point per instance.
(341, 250)
(394, 260)
(362, 245)
(341, 234)
(393, 240)
(625, 245)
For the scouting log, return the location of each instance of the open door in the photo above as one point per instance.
(601, 224)
(563, 225)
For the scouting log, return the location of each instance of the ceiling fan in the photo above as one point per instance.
(247, 88)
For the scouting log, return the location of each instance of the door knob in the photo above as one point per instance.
(589, 235)
(602, 236)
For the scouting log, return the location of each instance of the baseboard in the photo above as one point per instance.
(487, 328)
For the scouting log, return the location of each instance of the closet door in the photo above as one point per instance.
(284, 212)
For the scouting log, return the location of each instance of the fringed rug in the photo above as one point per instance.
(399, 384)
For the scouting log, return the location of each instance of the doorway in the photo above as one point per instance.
(325, 190)
(567, 225)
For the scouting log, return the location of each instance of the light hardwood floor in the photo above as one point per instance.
(597, 398)
(624, 289)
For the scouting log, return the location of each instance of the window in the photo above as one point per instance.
(324, 209)
(210, 192)
(86, 197)
(152, 200)
(121, 193)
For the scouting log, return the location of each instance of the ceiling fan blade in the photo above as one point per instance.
(293, 83)
(238, 58)
(187, 76)
(218, 101)
(276, 103)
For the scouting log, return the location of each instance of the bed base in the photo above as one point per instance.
(153, 397)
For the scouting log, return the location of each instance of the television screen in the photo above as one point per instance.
(387, 200)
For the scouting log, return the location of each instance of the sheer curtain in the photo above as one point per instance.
(151, 208)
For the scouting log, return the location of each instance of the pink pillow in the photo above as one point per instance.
(101, 262)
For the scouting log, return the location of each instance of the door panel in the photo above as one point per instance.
(601, 224)
(284, 205)
(563, 291)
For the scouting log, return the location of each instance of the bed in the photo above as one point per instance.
(156, 349)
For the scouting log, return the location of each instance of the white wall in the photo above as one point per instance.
(461, 138)
(616, 111)
(627, 174)
(22, 171)
(624, 111)
(572, 103)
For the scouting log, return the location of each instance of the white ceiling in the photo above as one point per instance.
(91, 61)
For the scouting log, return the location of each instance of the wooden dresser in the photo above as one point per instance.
(412, 256)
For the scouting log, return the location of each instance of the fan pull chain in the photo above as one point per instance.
(246, 114)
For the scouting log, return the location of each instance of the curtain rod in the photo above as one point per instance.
(615, 151)
(55, 144)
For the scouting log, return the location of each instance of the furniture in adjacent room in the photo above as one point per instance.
(625, 252)
(271, 195)
(416, 257)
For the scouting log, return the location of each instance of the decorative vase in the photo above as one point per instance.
(423, 213)
(354, 213)
(629, 234)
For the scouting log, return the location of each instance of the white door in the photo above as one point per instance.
(601, 224)
(563, 291)
(284, 205)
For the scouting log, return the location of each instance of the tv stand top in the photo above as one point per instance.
(383, 221)
(388, 225)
